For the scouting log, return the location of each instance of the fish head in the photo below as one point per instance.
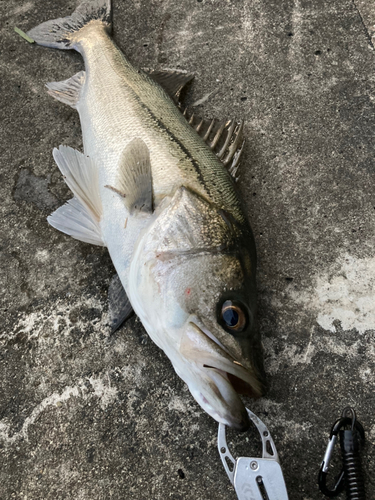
(192, 282)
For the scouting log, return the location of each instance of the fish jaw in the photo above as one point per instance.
(209, 372)
(230, 410)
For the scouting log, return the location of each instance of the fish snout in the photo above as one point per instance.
(216, 379)
(242, 424)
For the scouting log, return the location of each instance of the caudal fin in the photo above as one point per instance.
(61, 33)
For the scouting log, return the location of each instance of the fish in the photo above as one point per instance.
(152, 187)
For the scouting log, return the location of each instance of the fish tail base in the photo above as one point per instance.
(62, 33)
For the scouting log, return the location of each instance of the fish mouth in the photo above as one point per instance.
(225, 378)
(240, 385)
(229, 387)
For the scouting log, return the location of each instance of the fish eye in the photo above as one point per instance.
(233, 316)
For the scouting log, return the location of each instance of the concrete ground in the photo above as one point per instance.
(88, 416)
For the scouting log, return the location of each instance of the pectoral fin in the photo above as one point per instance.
(120, 307)
(134, 181)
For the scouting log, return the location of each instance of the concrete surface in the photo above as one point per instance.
(84, 415)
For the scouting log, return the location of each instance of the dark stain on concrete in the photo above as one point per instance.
(34, 189)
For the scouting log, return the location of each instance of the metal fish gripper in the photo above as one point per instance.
(254, 478)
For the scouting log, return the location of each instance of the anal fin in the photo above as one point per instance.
(67, 91)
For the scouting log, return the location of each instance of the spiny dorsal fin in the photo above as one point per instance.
(224, 137)
(80, 216)
(172, 81)
(134, 181)
(67, 91)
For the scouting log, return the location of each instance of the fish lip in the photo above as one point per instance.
(237, 370)
(211, 336)
(235, 414)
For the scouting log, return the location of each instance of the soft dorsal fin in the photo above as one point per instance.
(224, 137)
(67, 91)
(172, 81)
(134, 181)
(80, 217)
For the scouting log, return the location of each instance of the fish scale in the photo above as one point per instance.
(146, 112)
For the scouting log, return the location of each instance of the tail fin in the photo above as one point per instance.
(60, 33)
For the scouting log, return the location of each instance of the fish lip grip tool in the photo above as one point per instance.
(254, 478)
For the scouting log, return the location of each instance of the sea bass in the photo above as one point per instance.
(150, 189)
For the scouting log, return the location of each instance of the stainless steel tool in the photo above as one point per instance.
(254, 478)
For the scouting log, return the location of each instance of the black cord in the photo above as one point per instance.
(353, 478)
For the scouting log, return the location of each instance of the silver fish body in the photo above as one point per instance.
(150, 189)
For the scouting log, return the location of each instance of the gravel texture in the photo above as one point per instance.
(85, 415)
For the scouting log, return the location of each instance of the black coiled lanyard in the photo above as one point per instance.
(351, 435)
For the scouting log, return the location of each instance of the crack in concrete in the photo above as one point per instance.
(364, 25)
